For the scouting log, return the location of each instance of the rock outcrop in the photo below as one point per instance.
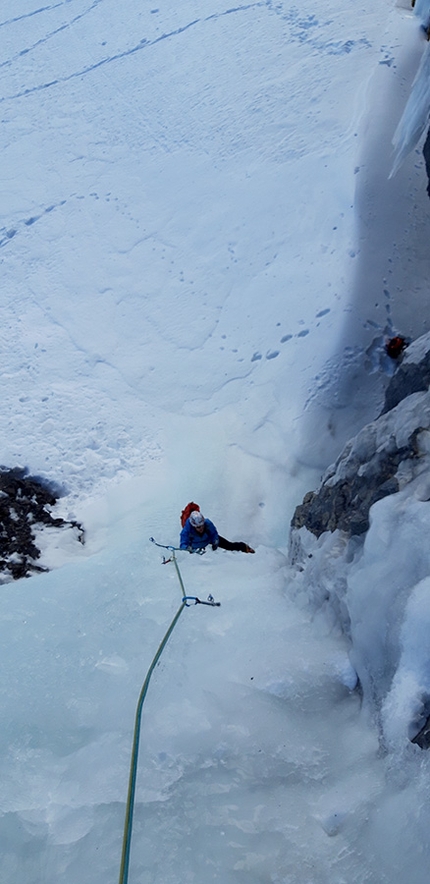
(25, 505)
(386, 454)
(412, 375)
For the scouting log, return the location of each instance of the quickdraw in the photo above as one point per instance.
(193, 598)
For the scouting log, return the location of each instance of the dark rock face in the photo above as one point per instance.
(422, 738)
(426, 152)
(24, 502)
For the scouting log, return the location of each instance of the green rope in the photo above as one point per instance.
(128, 824)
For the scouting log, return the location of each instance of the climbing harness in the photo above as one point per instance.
(128, 823)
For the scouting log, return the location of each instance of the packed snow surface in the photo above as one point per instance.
(201, 254)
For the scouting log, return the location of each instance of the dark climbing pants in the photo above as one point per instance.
(228, 544)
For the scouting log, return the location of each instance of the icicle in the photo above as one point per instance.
(422, 8)
(416, 114)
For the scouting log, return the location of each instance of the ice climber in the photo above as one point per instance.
(197, 533)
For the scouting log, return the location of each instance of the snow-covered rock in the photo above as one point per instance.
(357, 544)
(413, 374)
(381, 459)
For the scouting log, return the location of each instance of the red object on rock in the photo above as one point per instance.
(395, 346)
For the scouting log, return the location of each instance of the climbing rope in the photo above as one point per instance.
(128, 823)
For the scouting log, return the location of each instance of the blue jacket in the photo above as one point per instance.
(191, 538)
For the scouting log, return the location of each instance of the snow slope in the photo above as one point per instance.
(187, 274)
(176, 201)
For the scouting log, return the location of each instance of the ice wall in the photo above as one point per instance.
(422, 8)
(415, 116)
